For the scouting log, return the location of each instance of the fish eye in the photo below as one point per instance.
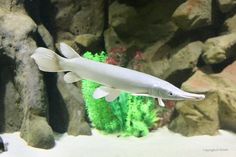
(170, 93)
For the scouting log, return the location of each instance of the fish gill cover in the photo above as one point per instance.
(128, 114)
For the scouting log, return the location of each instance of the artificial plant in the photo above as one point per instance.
(128, 114)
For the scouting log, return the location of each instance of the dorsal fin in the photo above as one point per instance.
(67, 51)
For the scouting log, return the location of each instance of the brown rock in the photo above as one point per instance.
(227, 5)
(193, 14)
(216, 111)
(230, 25)
(178, 62)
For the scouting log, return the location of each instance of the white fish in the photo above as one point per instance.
(113, 79)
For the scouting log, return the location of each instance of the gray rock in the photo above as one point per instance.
(65, 10)
(75, 106)
(37, 132)
(16, 29)
(193, 14)
(10, 109)
(219, 48)
(227, 5)
(216, 111)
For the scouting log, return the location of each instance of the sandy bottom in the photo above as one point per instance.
(162, 143)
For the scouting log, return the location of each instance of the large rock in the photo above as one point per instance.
(80, 22)
(230, 25)
(193, 14)
(75, 106)
(178, 62)
(227, 5)
(137, 28)
(64, 12)
(17, 43)
(72, 16)
(218, 49)
(89, 19)
(218, 110)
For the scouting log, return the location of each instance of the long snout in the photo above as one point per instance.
(192, 96)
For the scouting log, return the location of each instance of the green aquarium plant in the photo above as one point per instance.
(99, 110)
(128, 114)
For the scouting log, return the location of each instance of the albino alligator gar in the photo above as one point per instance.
(113, 79)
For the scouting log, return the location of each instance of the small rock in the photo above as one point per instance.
(89, 19)
(3, 145)
(87, 40)
(219, 48)
(121, 14)
(227, 5)
(37, 132)
(193, 14)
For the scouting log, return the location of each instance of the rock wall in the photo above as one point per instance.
(189, 42)
(25, 102)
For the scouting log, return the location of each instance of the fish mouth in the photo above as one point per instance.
(192, 96)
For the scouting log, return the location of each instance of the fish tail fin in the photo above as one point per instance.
(48, 61)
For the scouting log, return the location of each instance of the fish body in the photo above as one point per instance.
(113, 79)
(113, 76)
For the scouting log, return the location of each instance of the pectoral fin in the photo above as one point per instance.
(71, 77)
(161, 103)
(109, 93)
(112, 95)
(100, 92)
